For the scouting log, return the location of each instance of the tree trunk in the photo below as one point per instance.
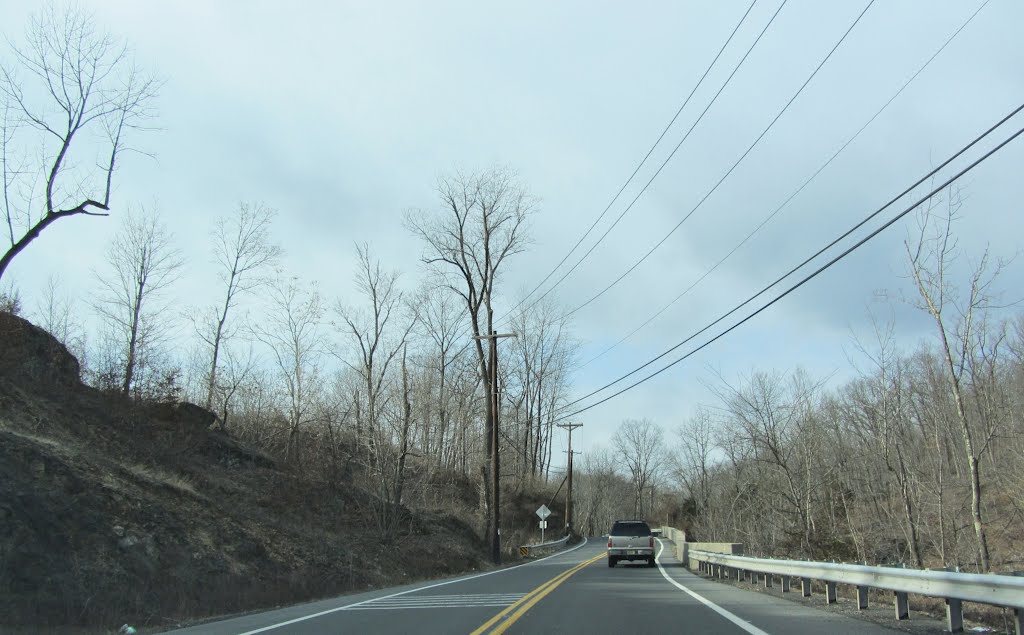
(129, 368)
(404, 441)
(212, 383)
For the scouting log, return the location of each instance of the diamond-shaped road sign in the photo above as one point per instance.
(543, 512)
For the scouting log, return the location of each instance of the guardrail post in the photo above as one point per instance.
(830, 592)
(954, 615)
(805, 587)
(1018, 611)
(902, 606)
(862, 597)
(786, 582)
(767, 580)
(754, 577)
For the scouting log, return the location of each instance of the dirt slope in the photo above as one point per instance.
(115, 512)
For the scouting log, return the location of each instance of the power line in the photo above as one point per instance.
(639, 165)
(812, 275)
(664, 163)
(730, 171)
(786, 202)
(815, 255)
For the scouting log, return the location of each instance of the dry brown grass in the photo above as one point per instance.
(156, 476)
(49, 442)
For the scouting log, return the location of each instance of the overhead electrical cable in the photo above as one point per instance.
(786, 202)
(504, 319)
(639, 165)
(867, 219)
(665, 162)
(729, 172)
(802, 282)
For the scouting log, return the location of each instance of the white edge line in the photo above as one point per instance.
(393, 595)
(742, 623)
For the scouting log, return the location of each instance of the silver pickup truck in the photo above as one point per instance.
(630, 540)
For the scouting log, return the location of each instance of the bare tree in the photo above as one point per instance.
(601, 493)
(439, 318)
(380, 331)
(291, 330)
(243, 250)
(56, 313)
(639, 442)
(777, 423)
(877, 411)
(238, 370)
(931, 254)
(10, 300)
(142, 263)
(69, 85)
(482, 222)
(374, 332)
(543, 356)
(693, 464)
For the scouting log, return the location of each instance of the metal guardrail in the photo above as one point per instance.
(524, 550)
(953, 587)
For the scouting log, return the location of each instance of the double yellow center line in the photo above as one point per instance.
(502, 621)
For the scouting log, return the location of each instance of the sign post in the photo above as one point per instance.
(543, 512)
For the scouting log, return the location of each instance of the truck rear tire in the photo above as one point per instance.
(611, 562)
(650, 561)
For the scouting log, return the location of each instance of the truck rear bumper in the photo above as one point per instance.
(637, 553)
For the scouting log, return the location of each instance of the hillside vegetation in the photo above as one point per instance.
(114, 510)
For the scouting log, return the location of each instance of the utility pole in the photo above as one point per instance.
(495, 461)
(568, 498)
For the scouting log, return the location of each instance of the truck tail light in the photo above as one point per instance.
(652, 542)
(609, 542)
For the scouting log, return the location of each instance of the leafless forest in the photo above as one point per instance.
(915, 461)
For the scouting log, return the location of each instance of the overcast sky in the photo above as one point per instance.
(342, 115)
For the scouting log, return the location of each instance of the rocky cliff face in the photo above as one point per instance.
(30, 354)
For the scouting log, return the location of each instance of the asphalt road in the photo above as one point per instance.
(572, 592)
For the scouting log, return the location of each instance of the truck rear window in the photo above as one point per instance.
(630, 529)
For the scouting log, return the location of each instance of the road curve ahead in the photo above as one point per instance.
(572, 592)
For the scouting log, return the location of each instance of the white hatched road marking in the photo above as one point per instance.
(471, 600)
